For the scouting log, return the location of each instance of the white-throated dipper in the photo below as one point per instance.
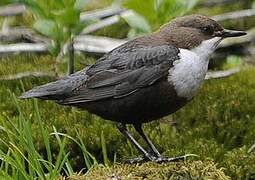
(144, 79)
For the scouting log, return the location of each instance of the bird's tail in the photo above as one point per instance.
(59, 89)
(51, 91)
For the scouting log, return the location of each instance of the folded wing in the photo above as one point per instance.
(118, 75)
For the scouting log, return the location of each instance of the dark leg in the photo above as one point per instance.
(147, 156)
(159, 158)
(138, 128)
(122, 128)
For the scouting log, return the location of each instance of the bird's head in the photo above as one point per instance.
(191, 31)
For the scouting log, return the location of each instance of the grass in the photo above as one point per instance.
(40, 139)
(218, 124)
(20, 159)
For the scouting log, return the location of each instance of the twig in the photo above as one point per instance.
(221, 74)
(26, 74)
(21, 34)
(23, 47)
(71, 68)
(96, 44)
(215, 2)
(100, 13)
(103, 23)
(5, 26)
(251, 148)
(234, 15)
(12, 10)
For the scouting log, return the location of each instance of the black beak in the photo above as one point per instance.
(230, 33)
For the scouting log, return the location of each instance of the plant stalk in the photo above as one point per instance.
(71, 57)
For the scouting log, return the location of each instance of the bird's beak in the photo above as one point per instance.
(230, 33)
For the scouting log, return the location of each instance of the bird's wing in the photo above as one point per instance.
(119, 74)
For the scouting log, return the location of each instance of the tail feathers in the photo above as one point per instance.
(58, 90)
(51, 91)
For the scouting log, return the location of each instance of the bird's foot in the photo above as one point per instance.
(160, 159)
(135, 160)
(163, 159)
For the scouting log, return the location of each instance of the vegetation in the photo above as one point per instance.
(40, 139)
(221, 130)
(59, 21)
(180, 170)
(157, 12)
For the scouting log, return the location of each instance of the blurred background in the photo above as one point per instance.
(43, 40)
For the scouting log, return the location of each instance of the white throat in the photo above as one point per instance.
(189, 71)
(207, 47)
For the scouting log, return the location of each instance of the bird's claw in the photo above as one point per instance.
(160, 159)
(163, 159)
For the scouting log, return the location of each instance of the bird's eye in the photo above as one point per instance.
(207, 29)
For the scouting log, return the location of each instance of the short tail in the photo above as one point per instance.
(58, 90)
(52, 91)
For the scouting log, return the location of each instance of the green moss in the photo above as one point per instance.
(217, 124)
(180, 170)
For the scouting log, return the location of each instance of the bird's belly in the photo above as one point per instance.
(147, 104)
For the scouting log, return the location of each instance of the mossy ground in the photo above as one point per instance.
(218, 124)
(179, 170)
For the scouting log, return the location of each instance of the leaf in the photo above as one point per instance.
(34, 7)
(46, 27)
(69, 3)
(78, 28)
(144, 8)
(137, 21)
(68, 16)
(80, 4)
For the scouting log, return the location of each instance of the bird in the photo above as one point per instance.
(144, 79)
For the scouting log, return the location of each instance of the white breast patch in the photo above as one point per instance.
(187, 74)
(189, 71)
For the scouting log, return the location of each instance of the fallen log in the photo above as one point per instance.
(12, 10)
(96, 44)
(23, 47)
(100, 13)
(25, 75)
(221, 74)
(215, 2)
(234, 15)
(104, 23)
(86, 43)
(22, 34)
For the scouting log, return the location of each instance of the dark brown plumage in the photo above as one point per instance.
(132, 83)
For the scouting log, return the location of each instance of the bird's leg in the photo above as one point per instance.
(159, 157)
(139, 129)
(123, 129)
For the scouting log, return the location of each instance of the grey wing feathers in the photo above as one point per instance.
(58, 89)
(115, 75)
(125, 73)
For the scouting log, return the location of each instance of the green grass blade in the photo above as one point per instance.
(103, 144)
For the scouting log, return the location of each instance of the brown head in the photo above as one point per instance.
(190, 31)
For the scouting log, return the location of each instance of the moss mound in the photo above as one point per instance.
(179, 170)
